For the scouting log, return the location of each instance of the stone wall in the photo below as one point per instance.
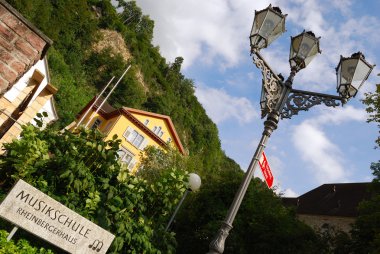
(317, 221)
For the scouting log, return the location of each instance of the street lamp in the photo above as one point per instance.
(279, 100)
(193, 185)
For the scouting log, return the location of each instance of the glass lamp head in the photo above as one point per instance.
(304, 47)
(267, 26)
(351, 73)
(194, 182)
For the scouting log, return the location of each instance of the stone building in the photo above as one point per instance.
(334, 205)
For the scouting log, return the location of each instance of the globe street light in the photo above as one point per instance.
(279, 100)
(194, 184)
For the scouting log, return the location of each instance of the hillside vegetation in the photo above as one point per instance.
(88, 50)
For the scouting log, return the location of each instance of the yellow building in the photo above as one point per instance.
(136, 128)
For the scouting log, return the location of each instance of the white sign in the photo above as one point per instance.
(34, 211)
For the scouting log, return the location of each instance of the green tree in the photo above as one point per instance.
(262, 224)
(372, 101)
(366, 230)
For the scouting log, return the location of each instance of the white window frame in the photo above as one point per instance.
(138, 139)
(156, 130)
(128, 158)
(146, 122)
(135, 138)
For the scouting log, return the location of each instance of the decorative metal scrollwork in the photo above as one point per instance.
(271, 86)
(302, 100)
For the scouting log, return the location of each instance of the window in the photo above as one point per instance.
(157, 130)
(146, 122)
(135, 138)
(127, 132)
(126, 157)
(169, 140)
(96, 124)
(161, 133)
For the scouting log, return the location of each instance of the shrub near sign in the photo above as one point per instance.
(34, 211)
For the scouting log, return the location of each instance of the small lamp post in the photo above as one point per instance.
(193, 185)
(279, 100)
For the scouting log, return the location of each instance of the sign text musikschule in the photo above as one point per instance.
(53, 214)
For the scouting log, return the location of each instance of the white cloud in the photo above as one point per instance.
(202, 30)
(216, 32)
(221, 106)
(325, 159)
(340, 115)
(344, 6)
(289, 193)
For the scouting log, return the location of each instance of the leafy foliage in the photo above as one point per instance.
(372, 101)
(262, 225)
(20, 247)
(82, 166)
(366, 230)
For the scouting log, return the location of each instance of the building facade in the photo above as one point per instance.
(136, 128)
(334, 205)
(25, 88)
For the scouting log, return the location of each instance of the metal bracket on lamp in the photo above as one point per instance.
(299, 100)
(271, 85)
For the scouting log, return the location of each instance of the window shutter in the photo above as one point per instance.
(144, 144)
(128, 132)
(132, 164)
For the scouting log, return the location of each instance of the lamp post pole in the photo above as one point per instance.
(194, 184)
(279, 100)
(176, 209)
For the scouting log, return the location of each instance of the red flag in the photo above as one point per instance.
(267, 173)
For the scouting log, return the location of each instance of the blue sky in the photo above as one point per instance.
(322, 145)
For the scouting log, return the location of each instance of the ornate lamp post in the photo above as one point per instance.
(279, 100)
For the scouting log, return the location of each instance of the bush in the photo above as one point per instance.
(20, 247)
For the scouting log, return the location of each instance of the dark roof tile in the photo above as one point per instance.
(336, 199)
